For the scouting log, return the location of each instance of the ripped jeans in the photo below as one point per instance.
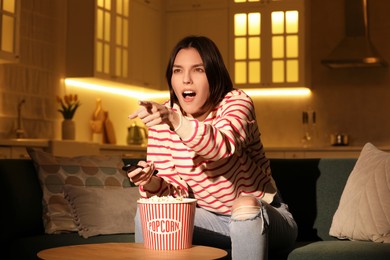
(272, 227)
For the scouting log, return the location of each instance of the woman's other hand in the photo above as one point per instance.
(142, 175)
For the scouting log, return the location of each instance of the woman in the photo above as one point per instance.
(205, 143)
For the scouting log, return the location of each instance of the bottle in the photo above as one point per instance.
(97, 123)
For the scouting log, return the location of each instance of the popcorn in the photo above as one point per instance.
(162, 199)
(167, 222)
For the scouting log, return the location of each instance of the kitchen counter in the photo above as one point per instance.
(126, 151)
(324, 148)
(15, 148)
(317, 151)
(25, 142)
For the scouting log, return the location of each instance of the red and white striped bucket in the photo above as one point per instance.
(167, 225)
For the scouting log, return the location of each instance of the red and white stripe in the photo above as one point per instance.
(167, 226)
(217, 159)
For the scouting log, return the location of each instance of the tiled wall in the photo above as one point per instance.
(36, 77)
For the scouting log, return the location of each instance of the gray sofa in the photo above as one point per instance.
(311, 187)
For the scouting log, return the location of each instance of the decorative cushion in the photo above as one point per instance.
(364, 209)
(54, 172)
(102, 211)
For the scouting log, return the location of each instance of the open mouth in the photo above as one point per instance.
(188, 94)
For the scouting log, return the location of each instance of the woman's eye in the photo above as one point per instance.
(199, 69)
(176, 70)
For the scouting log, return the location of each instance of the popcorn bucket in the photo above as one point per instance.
(167, 225)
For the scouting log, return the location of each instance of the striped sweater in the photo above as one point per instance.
(215, 160)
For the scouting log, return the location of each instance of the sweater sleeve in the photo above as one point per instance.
(166, 182)
(233, 129)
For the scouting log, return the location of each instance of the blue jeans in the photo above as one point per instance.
(272, 228)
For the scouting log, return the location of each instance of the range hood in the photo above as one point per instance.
(356, 49)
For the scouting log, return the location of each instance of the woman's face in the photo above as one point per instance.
(190, 84)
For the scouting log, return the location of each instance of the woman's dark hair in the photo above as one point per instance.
(216, 72)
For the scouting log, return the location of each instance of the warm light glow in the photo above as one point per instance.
(277, 47)
(7, 43)
(277, 22)
(254, 47)
(117, 88)
(99, 24)
(278, 71)
(240, 25)
(254, 72)
(292, 21)
(9, 6)
(292, 46)
(292, 70)
(240, 48)
(240, 72)
(107, 26)
(278, 92)
(144, 94)
(254, 24)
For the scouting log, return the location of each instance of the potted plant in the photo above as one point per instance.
(68, 107)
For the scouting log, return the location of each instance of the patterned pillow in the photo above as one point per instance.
(364, 210)
(99, 211)
(54, 172)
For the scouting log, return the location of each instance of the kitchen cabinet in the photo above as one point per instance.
(268, 43)
(316, 152)
(132, 46)
(80, 39)
(333, 154)
(117, 40)
(13, 152)
(203, 20)
(16, 148)
(70, 148)
(126, 151)
(145, 46)
(9, 30)
(5, 152)
(19, 153)
(97, 39)
(179, 5)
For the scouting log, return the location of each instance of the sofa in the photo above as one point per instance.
(311, 187)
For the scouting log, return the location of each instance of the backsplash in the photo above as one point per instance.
(35, 77)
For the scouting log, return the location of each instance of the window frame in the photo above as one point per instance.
(266, 7)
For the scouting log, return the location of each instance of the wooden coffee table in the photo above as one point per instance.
(128, 251)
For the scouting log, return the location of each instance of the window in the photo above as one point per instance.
(121, 38)
(9, 30)
(103, 36)
(112, 27)
(268, 43)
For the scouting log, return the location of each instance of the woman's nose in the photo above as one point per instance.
(187, 79)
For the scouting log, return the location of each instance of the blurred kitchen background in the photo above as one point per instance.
(57, 41)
